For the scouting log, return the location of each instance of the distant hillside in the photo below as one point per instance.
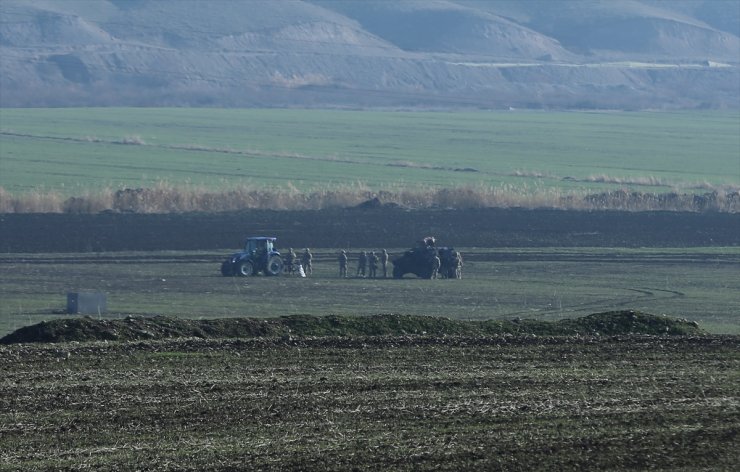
(415, 53)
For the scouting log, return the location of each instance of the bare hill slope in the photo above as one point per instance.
(502, 53)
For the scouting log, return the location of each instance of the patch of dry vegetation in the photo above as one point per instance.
(167, 198)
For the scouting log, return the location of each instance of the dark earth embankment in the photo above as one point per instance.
(287, 327)
(356, 227)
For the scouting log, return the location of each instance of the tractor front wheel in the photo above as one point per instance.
(245, 269)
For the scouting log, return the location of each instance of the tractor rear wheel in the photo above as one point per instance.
(245, 269)
(274, 265)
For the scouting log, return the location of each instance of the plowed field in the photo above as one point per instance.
(380, 403)
(375, 227)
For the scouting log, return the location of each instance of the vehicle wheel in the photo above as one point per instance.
(397, 273)
(245, 269)
(227, 270)
(274, 266)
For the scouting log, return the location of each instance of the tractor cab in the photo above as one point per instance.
(259, 245)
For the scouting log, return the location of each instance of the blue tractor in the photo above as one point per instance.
(259, 256)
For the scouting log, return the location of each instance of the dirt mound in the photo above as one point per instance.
(376, 203)
(161, 327)
(137, 328)
(630, 322)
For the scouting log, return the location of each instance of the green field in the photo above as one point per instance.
(74, 151)
(699, 284)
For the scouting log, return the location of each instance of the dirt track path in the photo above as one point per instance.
(625, 300)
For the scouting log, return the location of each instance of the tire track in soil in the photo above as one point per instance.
(647, 294)
(114, 258)
(329, 255)
(253, 154)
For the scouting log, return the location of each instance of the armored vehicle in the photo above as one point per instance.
(259, 256)
(419, 261)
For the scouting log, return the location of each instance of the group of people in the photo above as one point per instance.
(449, 267)
(367, 264)
(302, 265)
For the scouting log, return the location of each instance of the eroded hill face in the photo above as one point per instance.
(501, 53)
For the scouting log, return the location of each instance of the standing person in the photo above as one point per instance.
(372, 263)
(289, 260)
(435, 266)
(307, 260)
(362, 264)
(343, 264)
(458, 265)
(384, 263)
